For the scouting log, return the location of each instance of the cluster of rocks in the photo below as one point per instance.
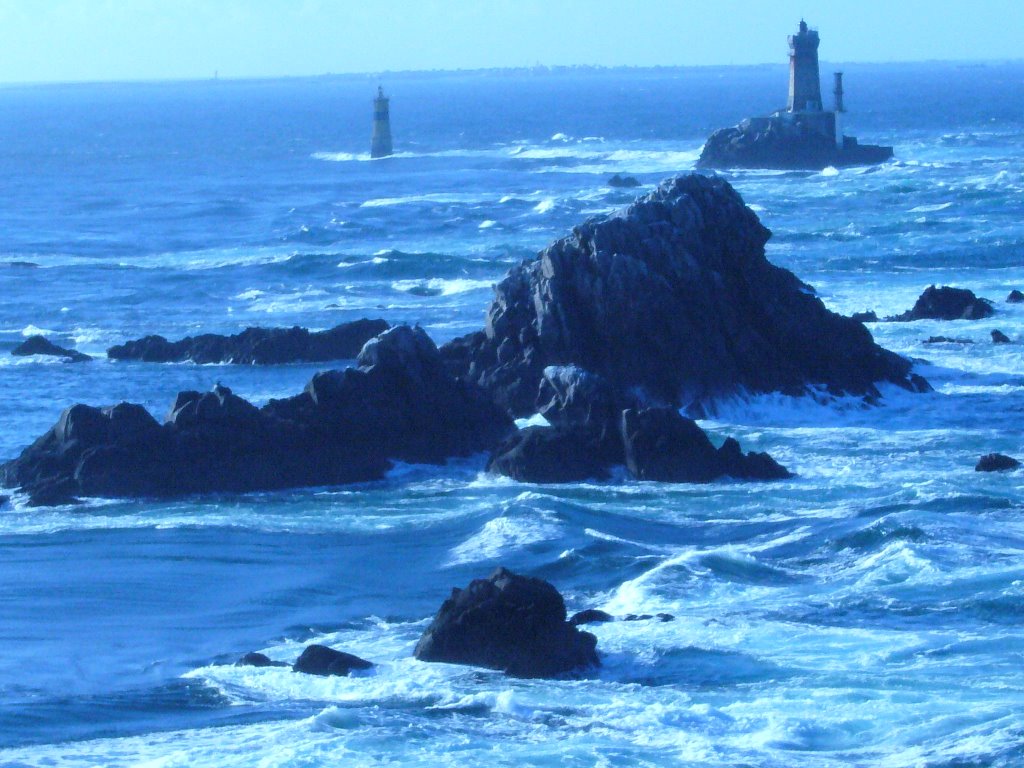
(509, 622)
(667, 304)
(399, 403)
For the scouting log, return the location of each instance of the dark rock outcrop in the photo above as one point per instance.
(662, 445)
(673, 301)
(946, 303)
(593, 431)
(256, 659)
(347, 426)
(565, 454)
(625, 182)
(324, 661)
(998, 337)
(509, 622)
(40, 345)
(787, 142)
(255, 346)
(996, 462)
(865, 317)
(1015, 297)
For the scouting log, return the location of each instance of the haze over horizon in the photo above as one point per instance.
(99, 40)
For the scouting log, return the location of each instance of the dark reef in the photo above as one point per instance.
(40, 345)
(255, 346)
(347, 426)
(946, 303)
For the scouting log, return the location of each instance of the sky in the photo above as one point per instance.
(89, 40)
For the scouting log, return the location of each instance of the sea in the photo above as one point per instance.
(867, 612)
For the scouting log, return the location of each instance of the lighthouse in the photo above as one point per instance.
(804, 77)
(380, 146)
(837, 91)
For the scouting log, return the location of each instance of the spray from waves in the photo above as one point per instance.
(436, 286)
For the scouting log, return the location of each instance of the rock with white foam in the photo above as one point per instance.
(508, 622)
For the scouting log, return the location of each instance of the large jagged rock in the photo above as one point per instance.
(946, 303)
(40, 345)
(399, 403)
(672, 301)
(509, 622)
(255, 346)
(786, 142)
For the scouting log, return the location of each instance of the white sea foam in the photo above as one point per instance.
(441, 286)
(501, 537)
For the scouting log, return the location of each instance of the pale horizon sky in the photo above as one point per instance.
(97, 40)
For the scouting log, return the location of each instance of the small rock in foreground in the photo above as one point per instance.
(998, 337)
(996, 462)
(324, 661)
(509, 622)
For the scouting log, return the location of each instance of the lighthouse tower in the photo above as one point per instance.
(380, 146)
(840, 109)
(804, 77)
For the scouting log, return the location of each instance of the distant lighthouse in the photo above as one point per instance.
(804, 77)
(380, 146)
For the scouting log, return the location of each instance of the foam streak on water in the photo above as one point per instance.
(866, 612)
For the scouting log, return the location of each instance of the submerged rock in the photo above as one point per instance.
(256, 659)
(946, 303)
(40, 345)
(996, 462)
(324, 661)
(946, 340)
(400, 403)
(673, 301)
(998, 337)
(509, 622)
(255, 346)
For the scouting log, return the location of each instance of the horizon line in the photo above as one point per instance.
(535, 68)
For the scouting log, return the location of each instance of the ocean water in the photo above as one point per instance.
(870, 611)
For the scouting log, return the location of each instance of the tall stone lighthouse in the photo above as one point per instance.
(380, 145)
(804, 77)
